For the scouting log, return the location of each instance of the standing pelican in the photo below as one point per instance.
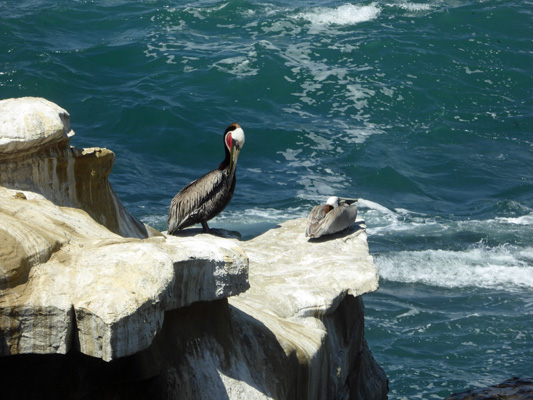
(334, 216)
(207, 196)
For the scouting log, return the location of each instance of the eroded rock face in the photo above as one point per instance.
(36, 156)
(307, 293)
(215, 350)
(76, 270)
(71, 283)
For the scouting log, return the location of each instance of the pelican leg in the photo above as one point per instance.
(206, 228)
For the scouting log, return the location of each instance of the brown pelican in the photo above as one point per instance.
(334, 216)
(207, 196)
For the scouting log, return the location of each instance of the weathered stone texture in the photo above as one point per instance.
(76, 270)
(36, 156)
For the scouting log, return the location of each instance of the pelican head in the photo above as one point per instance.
(234, 140)
(333, 201)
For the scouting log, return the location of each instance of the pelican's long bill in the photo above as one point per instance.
(346, 200)
(237, 141)
(233, 157)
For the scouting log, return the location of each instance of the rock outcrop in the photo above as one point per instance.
(74, 273)
(307, 294)
(36, 156)
(94, 299)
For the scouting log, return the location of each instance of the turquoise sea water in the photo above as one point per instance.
(423, 110)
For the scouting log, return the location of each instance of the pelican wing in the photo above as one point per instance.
(315, 218)
(337, 220)
(200, 200)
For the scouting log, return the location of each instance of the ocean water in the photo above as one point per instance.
(423, 110)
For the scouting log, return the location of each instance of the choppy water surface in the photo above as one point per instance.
(423, 110)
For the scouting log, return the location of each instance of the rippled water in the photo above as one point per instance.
(423, 110)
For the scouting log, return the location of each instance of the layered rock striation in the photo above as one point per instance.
(94, 299)
(36, 156)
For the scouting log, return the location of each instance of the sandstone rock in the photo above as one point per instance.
(26, 124)
(297, 287)
(75, 271)
(71, 283)
(36, 156)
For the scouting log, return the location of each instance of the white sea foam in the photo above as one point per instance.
(267, 214)
(240, 66)
(470, 71)
(414, 6)
(317, 85)
(498, 268)
(359, 135)
(523, 220)
(358, 94)
(346, 14)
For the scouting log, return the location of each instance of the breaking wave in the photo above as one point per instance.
(500, 267)
(346, 14)
(448, 253)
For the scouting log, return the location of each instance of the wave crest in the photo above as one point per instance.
(346, 14)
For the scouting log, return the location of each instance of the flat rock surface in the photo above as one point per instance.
(293, 276)
(297, 283)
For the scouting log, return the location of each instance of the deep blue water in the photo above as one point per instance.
(423, 110)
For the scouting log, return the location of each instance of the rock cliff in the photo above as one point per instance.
(94, 304)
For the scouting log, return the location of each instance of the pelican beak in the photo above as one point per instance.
(234, 155)
(346, 200)
(237, 142)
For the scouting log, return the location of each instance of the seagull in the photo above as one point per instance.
(336, 215)
(204, 198)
